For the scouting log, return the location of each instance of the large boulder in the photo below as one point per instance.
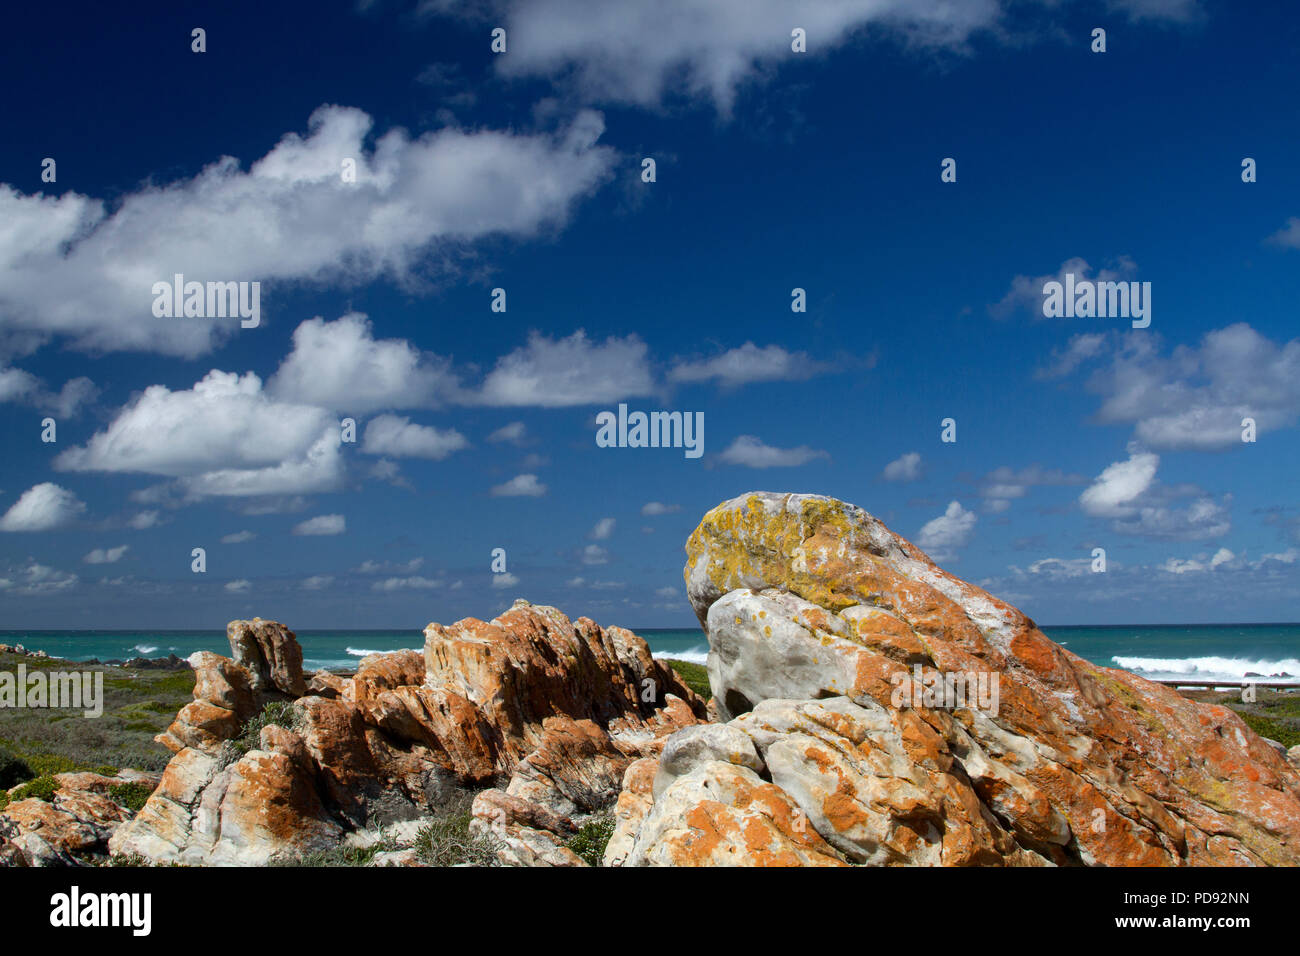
(913, 718)
(551, 710)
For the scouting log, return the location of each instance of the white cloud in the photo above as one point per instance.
(224, 436)
(239, 537)
(106, 555)
(1002, 485)
(143, 520)
(1079, 349)
(555, 373)
(317, 582)
(512, 433)
(17, 385)
(904, 468)
(504, 580)
(941, 537)
(238, 586)
(593, 554)
(1113, 492)
(746, 364)
(386, 567)
(1128, 493)
(526, 486)
(750, 451)
(42, 508)
(339, 365)
(659, 508)
(1288, 235)
(37, 579)
(1196, 398)
(69, 267)
(412, 583)
(643, 51)
(321, 525)
(603, 529)
(399, 437)
(1026, 292)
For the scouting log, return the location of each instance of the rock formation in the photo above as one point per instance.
(881, 711)
(72, 826)
(553, 710)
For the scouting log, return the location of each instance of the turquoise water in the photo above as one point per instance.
(1194, 652)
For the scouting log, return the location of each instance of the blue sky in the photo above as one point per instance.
(522, 171)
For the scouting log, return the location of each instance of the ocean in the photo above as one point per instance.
(1228, 652)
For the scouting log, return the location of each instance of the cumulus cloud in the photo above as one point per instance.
(1003, 485)
(593, 554)
(1113, 493)
(659, 508)
(1080, 348)
(412, 583)
(106, 555)
(642, 51)
(556, 373)
(1127, 493)
(321, 525)
(751, 452)
(1289, 235)
(504, 580)
(1026, 292)
(19, 386)
(317, 582)
(37, 579)
(1196, 397)
(339, 365)
(69, 267)
(223, 437)
(399, 437)
(513, 433)
(904, 468)
(603, 529)
(239, 537)
(520, 486)
(143, 520)
(42, 507)
(746, 364)
(238, 586)
(941, 537)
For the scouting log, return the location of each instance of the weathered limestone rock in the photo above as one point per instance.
(73, 827)
(819, 618)
(553, 710)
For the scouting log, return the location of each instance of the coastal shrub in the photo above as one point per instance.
(130, 796)
(13, 770)
(340, 855)
(695, 676)
(447, 840)
(4, 799)
(42, 788)
(1284, 733)
(278, 713)
(592, 838)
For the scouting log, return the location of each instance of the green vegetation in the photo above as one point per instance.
(1274, 714)
(340, 855)
(42, 788)
(696, 677)
(130, 796)
(138, 705)
(278, 713)
(447, 840)
(590, 841)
